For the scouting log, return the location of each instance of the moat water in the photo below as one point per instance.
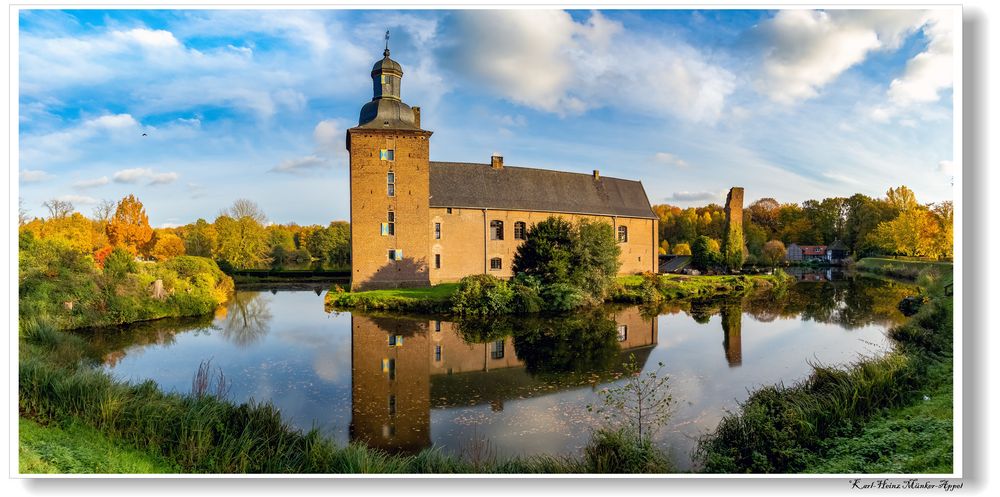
(515, 386)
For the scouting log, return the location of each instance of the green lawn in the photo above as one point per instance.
(80, 449)
(901, 268)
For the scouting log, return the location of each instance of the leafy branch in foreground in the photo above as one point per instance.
(642, 404)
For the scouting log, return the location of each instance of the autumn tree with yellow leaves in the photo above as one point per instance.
(129, 226)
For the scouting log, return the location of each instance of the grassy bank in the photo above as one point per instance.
(434, 299)
(72, 290)
(871, 416)
(902, 268)
(627, 289)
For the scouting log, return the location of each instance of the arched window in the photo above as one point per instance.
(496, 230)
(495, 264)
(623, 234)
(520, 230)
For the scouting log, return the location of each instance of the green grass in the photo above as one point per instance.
(435, 298)
(916, 438)
(77, 448)
(902, 268)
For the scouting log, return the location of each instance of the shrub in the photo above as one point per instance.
(120, 263)
(482, 295)
(560, 297)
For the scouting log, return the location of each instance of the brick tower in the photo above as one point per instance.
(390, 187)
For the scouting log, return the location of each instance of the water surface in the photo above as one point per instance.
(516, 386)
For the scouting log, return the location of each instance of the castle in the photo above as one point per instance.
(416, 222)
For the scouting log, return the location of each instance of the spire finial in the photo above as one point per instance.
(386, 53)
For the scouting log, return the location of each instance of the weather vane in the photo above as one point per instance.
(387, 42)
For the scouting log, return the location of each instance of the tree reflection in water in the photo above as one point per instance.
(248, 318)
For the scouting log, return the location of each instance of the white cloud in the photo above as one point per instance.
(78, 199)
(694, 196)
(32, 176)
(91, 183)
(133, 175)
(330, 136)
(137, 174)
(807, 49)
(669, 159)
(301, 165)
(843, 178)
(162, 178)
(930, 71)
(947, 167)
(545, 60)
(65, 144)
(149, 38)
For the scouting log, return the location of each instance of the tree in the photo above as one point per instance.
(245, 208)
(773, 253)
(280, 243)
(168, 246)
(129, 226)
(705, 253)
(242, 242)
(682, 249)
(200, 239)
(664, 247)
(103, 211)
(596, 258)
(58, 209)
(913, 233)
(945, 242)
(22, 213)
(547, 251)
(901, 198)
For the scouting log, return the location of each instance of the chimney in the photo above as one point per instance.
(496, 162)
(416, 116)
(597, 174)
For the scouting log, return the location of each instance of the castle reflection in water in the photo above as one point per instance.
(402, 368)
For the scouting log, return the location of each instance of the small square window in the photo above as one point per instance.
(395, 254)
(449, 210)
(496, 264)
(386, 154)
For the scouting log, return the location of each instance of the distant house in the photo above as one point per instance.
(796, 252)
(836, 252)
(793, 252)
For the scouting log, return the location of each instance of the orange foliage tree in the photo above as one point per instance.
(129, 226)
(168, 246)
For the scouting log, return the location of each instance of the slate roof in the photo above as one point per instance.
(479, 186)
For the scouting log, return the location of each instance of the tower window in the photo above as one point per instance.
(495, 264)
(622, 332)
(437, 231)
(437, 261)
(437, 353)
(437, 325)
(390, 180)
(496, 230)
(622, 234)
(387, 154)
(395, 254)
(392, 405)
(449, 210)
(520, 231)
(391, 224)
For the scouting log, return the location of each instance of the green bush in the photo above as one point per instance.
(482, 295)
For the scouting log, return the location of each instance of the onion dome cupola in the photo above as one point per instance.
(387, 110)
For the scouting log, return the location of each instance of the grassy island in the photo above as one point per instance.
(648, 288)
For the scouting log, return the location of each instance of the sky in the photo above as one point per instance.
(192, 109)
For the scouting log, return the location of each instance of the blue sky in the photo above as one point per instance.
(791, 104)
